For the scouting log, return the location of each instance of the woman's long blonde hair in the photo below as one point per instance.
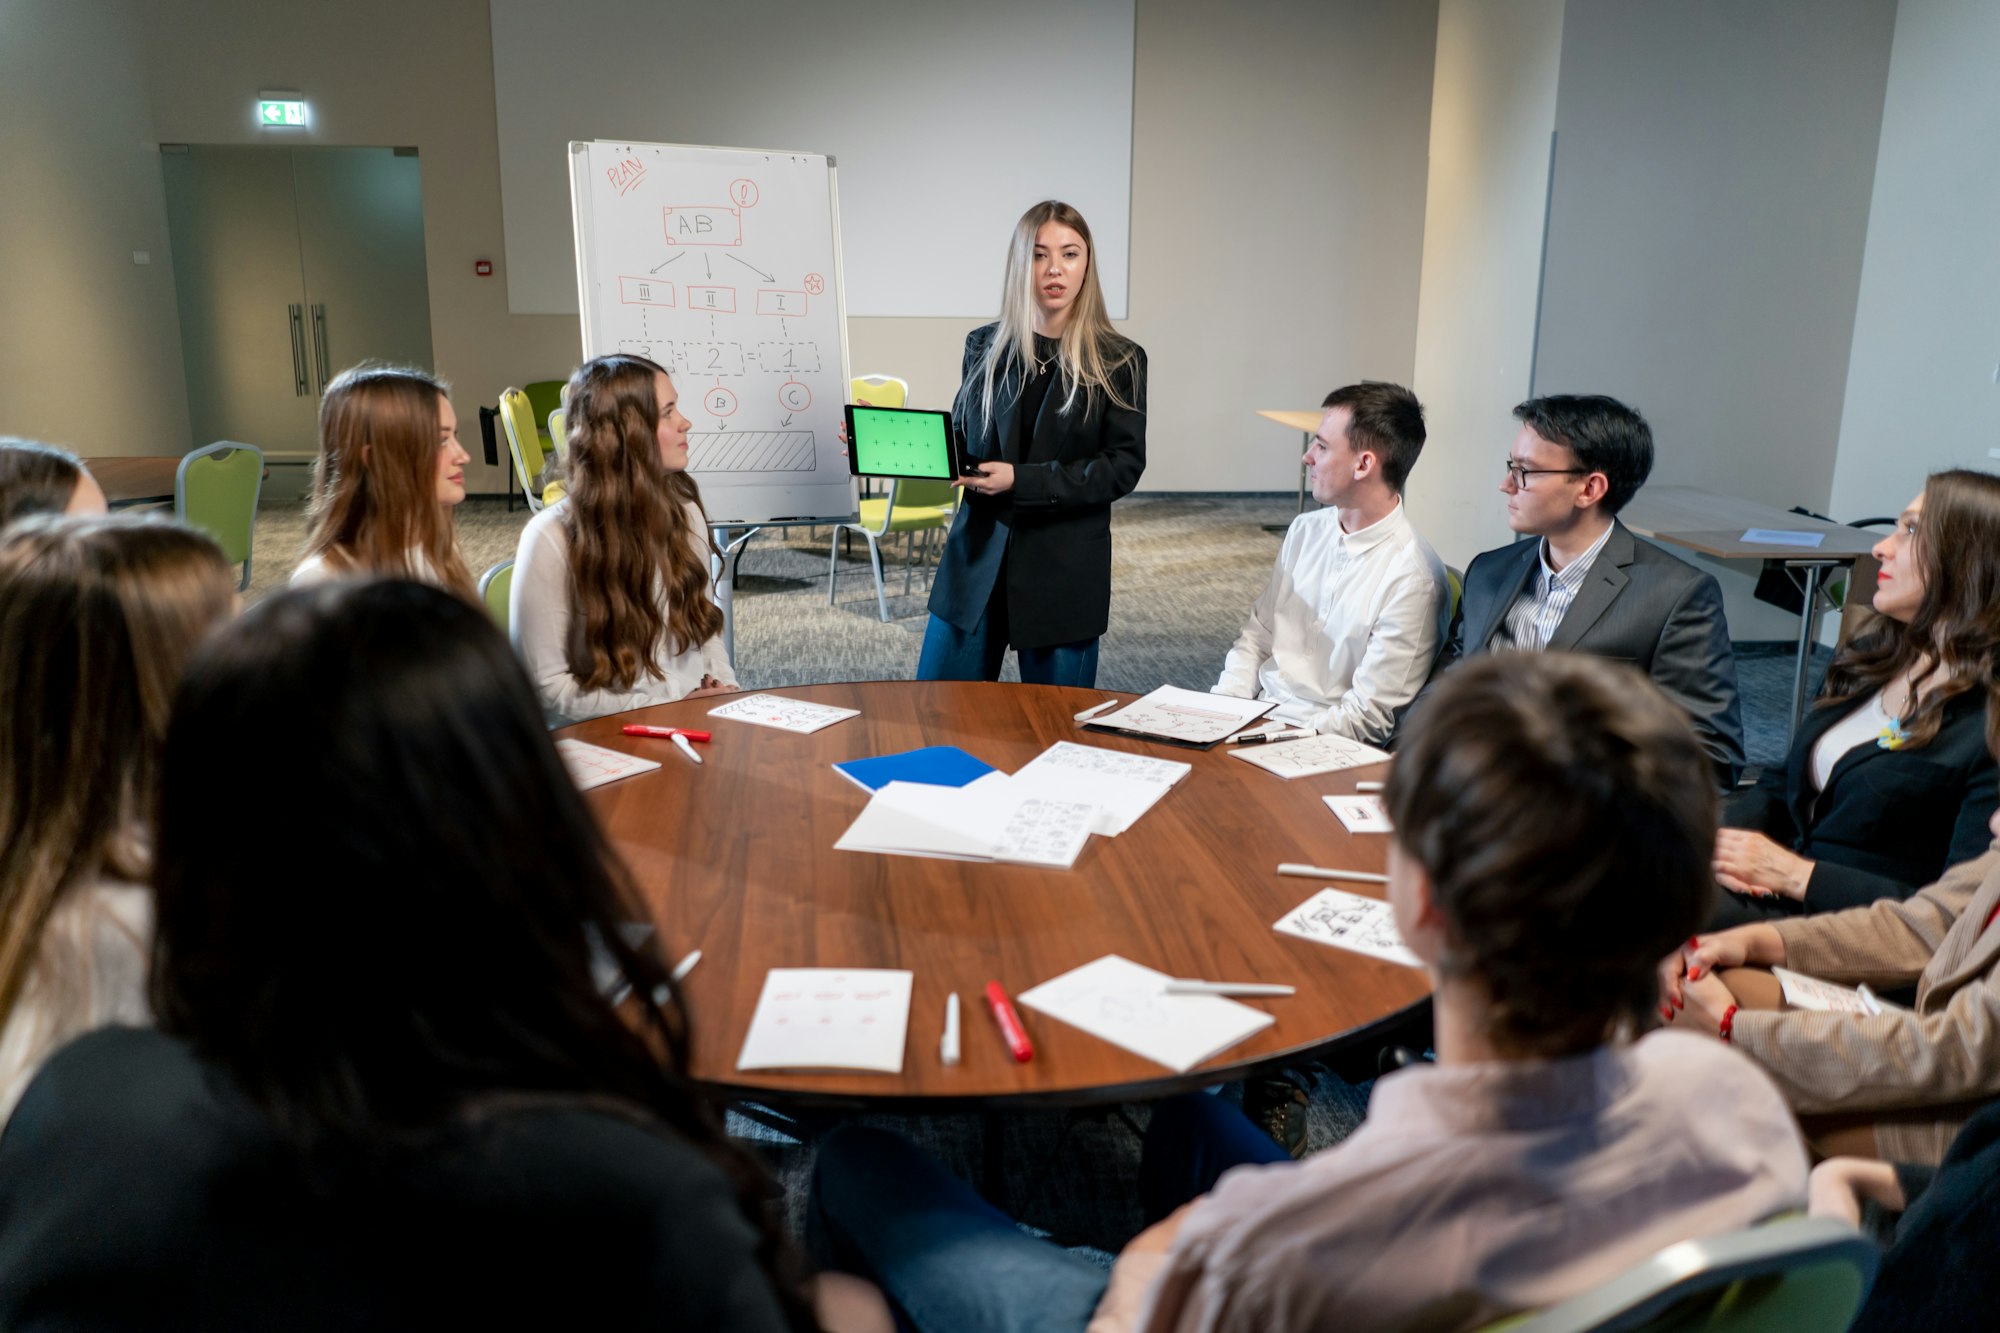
(1089, 352)
(629, 532)
(374, 487)
(98, 615)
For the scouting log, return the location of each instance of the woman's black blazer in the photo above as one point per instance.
(1889, 821)
(1052, 532)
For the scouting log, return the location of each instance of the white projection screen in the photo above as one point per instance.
(947, 118)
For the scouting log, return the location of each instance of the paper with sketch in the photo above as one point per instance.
(1361, 814)
(593, 765)
(993, 819)
(1121, 791)
(1349, 921)
(1783, 537)
(1122, 1002)
(772, 710)
(830, 1018)
(1186, 717)
(1804, 992)
(1315, 754)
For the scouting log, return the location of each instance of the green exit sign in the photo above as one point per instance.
(277, 113)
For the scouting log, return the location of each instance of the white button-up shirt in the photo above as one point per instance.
(1347, 628)
(1532, 620)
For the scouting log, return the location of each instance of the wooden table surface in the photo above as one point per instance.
(736, 858)
(131, 481)
(1714, 525)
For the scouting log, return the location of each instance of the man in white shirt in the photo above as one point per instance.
(1347, 628)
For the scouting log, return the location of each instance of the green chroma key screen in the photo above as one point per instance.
(900, 442)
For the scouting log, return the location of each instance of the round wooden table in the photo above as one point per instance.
(736, 858)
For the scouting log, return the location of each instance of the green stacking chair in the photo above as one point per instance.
(216, 489)
(495, 586)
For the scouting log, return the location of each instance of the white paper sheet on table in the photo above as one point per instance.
(1126, 1004)
(1349, 921)
(1360, 814)
(1804, 992)
(1315, 754)
(773, 710)
(1188, 716)
(993, 819)
(593, 765)
(1122, 792)
(830, 1018)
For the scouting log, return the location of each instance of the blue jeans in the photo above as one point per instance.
(948, 1260)
(951, 653)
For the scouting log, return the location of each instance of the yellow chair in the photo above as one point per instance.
(559, 431)
(524, 444)
(1457, 582)
(913, 505)
(545, 396)
(216, 489)
(496, 585)
(878, 391)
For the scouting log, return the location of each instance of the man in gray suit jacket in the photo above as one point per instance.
(1588, 585)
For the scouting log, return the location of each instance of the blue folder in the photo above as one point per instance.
(938, 765)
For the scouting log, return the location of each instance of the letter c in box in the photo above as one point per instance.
(645, 291)
(703, 224)
(770, 301)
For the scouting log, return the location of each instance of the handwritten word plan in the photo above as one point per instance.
(1126, 1004)
(593, 765)
(830, 1018)
(1349, 921)
(1315, 754)
(771, 710)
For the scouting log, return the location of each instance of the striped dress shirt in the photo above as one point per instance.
(1532, 620)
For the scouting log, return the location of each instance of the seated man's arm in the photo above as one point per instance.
(1402, 645)
(1253, 645)
(1694, 666)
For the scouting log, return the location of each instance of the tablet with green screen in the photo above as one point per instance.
(900, 442)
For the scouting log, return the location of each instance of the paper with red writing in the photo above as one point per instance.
(830, 1018)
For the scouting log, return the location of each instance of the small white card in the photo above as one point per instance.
(1361, 814)
(593, 765)
(1315, 754)
(1783, 537)
(1349, 921)
(1122, 1002)
(830, 1018)
(1804, 992)
(772, 710)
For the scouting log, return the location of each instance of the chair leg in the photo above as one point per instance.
(244, 586)
(875, 558)
(833, 565)
(909, 559)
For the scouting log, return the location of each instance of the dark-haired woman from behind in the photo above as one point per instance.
(386, 1089)
(42, 479)
(611, 606)
(97, 618)
(1891, 777)
(1553, 822)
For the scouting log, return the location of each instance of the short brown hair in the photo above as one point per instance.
(35, 479)
(1564, 813)
(1385, 419)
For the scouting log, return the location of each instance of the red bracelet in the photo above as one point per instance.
(1728, 1022)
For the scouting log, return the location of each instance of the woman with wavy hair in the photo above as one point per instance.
(1052, 408)
(390, 471)
(97, 618)
(1891, 777)
(42, 479)
(387, 1088)
(611, 605)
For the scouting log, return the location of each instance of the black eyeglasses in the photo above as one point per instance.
(1520, 475)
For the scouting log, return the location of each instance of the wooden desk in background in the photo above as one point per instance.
(1307, 424)
(1714, 525)
(736, 858)
(135, 481)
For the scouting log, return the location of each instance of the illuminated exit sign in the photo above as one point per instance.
(280, 112)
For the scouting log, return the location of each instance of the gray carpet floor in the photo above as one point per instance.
(1185, 569)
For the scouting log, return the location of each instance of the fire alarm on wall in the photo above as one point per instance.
(483, 267)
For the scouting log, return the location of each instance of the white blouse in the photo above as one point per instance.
(89, 972)
(1863, 726)
(318, 569)
(539, 617)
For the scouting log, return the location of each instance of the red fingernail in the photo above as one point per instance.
(1694, 974)
(1694, 941)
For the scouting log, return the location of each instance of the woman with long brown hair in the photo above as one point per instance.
(390, 471)
(611, 605)
(97, 618)
(1052, 410)
(42, 479)
(1891, 777)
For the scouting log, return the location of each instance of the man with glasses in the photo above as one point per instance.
(1587, 585)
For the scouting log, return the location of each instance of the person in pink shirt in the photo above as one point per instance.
(1554, 823)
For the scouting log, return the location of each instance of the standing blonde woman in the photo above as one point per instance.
(97, 618)
(389, 473)
(611, 607)
(1052, 409)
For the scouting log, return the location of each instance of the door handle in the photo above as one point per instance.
(301, 386)
(322, 353)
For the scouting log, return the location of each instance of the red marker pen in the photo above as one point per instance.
(1011, 1030)
(663, 733)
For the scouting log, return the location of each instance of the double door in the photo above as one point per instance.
(291, 264)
